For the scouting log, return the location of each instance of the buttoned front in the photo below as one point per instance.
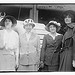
(50, 50)
(68, 52)
(29, 50)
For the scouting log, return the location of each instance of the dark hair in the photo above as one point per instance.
(9, 19)
(69, 13)
(13, 20)
(53, 25)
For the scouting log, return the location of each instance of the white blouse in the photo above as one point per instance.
(28, 36)
(11, 40)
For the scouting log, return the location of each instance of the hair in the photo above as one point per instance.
(9, 19)
(54, 26)
(30, 24)
(71, 16)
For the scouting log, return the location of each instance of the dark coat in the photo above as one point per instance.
(68, 51)
(50, 49)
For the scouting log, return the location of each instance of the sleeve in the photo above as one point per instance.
(20, 35)
(38, 47)
(17, 49)
(1, 39)
(61, 44)
(44, 43)
(74, 46)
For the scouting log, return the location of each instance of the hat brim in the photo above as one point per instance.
(47, 27)
(33, 25)
(14, 21)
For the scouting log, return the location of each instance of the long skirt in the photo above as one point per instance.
(66, 60)
(49, 68)
(28, 68)
(29, 62)
(7, 62)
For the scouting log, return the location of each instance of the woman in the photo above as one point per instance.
(29, 48)
(51, 47)
(68, 42)
(9, 51)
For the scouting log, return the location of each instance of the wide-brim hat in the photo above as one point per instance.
(29, 21)
(14, 21)
(57, 25)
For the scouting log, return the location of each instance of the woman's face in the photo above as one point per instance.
(52, 28)
(8, 23)
(28, 27)
(67, 19)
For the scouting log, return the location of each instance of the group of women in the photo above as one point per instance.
(23, 52)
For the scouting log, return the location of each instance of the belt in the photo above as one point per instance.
(5, 52)
(27, 52)
(65, 48)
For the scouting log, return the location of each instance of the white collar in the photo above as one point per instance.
(54, 36)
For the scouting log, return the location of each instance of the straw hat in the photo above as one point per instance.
(58, 25)
(28, 21)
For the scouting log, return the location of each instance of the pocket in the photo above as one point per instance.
(55, 58)
(23, 59)
(48, 57)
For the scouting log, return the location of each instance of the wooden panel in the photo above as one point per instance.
(62, 7)
(19, 5)
(42, 32)
(41, 36)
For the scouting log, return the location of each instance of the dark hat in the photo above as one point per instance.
(53, 23)
(14, 21)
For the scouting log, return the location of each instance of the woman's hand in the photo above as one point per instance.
(41, 64)
(17, 62)
(73, 63)
(3, 48)
(16, 66)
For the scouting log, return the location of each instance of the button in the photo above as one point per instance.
(55, 41)
(27, 54)
(54, 50)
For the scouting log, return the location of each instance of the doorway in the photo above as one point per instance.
(44, 16)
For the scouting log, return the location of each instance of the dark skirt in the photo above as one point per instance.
(49, 68)
(66, 60)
